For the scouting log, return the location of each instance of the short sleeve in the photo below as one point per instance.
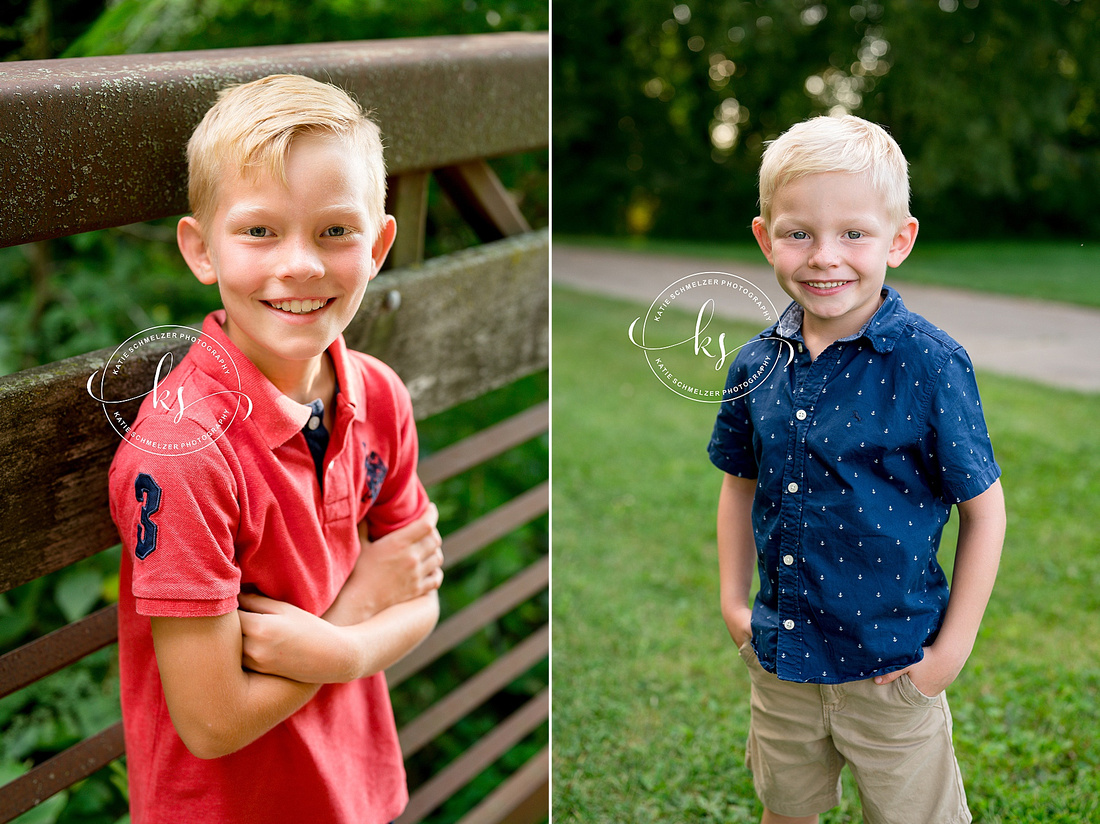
(177, 516)
(399, 497)
(731, 446)
(959, 450)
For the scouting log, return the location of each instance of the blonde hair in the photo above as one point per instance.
(252, 126)
(837, 144)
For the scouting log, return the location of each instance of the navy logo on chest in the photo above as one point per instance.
(376, 473)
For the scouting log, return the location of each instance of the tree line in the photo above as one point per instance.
(662, 109)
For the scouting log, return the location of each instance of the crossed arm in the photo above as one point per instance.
(229, 679)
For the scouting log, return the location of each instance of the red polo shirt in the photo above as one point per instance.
(246, 511)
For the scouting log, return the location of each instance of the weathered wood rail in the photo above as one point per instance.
(98, 142)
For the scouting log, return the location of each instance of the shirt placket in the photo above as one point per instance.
(809, 379)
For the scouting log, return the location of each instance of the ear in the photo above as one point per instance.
(195, 251)
(903, 243)
(763, 238)
(383, 244)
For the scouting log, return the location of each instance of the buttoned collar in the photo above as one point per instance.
(278, 417)
(881, 331)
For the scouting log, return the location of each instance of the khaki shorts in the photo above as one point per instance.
(895, 740)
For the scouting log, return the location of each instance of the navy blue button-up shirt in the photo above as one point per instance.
(859, 455)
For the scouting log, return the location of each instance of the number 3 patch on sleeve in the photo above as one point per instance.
(148, 495)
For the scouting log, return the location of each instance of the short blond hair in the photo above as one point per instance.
(837, 144)
(252, 126)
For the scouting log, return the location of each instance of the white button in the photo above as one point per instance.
(792, 487)
(800, 414)
(788, 559)
(314, 422)
(331, 464)
(788, 624)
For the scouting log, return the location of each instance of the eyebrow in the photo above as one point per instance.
(245, 214)
(248, 214)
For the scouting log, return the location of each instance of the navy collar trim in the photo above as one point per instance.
(882, 331)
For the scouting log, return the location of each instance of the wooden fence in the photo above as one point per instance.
(98, 142)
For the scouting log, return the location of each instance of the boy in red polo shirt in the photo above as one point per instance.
(279, 549)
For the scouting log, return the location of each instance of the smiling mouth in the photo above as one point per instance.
(826, 285)
(298, 307)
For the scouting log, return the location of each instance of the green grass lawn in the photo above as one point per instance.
(650, 697)
(1064, 270)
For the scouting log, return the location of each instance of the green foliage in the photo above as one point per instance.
(651, 700)
(46, 717)
(140, 26)
(77, 294)
(661, 110)
(41, 29)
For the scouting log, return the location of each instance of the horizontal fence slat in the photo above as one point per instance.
(474, 692)
(57, 650)
(524, 508)
(466, 622)
(64, 769)
(524, 798)
(65, 444)
(99, 141)
(466, 767)
(486, 444)
(467, 322)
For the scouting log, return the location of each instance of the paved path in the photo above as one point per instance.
(1050, 343)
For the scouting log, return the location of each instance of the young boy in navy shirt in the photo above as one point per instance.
(279, 551)
(841, 470)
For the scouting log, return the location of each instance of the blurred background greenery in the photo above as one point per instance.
(661, 109)
(73, 295)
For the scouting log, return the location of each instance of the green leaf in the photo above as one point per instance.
(78, 591)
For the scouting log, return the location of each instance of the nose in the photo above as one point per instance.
(823, 255)
(300, 260)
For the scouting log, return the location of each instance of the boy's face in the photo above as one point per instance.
(291, 261)
(830, 242)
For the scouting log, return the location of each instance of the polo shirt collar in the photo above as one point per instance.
(882, 331)
(277, 417)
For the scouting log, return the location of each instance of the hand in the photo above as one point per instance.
(281, 639)
(739, 623)
(398, 567)
(931, 675)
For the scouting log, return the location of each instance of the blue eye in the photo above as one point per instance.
(336, 231)
(257, 231)
(799, 235)
(853, 235)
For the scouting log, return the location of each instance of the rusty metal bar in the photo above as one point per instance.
(488, 443)
(524, 798)
(93, 142)
(474, 692)
(466, 622)
(464, 768)
(524, 508)
(63, 770)
(57, 650)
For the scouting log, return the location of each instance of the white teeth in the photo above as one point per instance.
(298, 307)
(817, 284)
